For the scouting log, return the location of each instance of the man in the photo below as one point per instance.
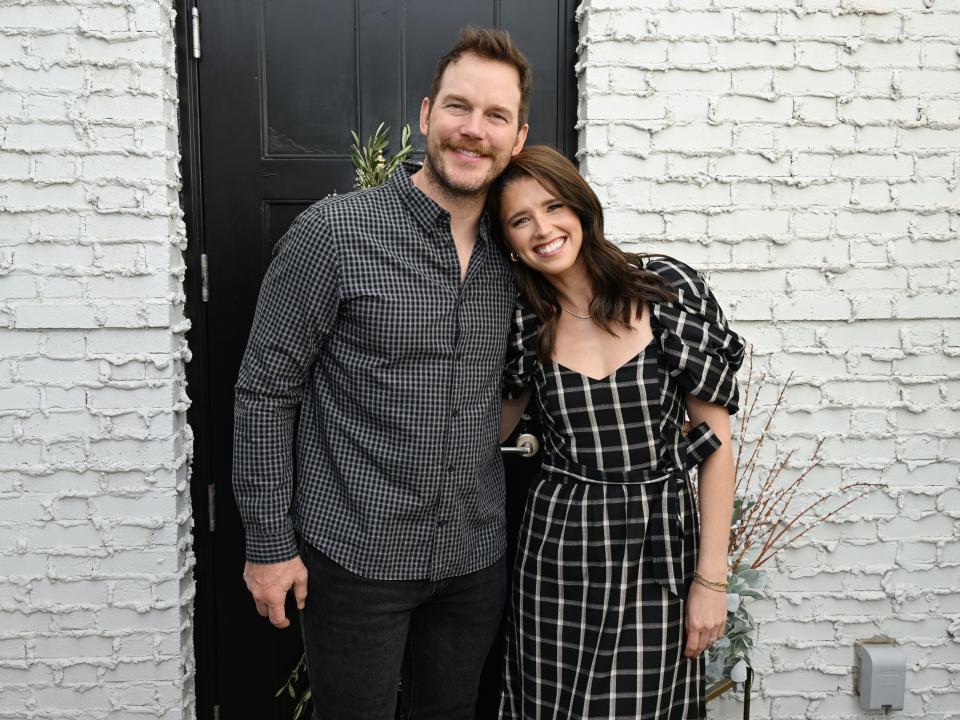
(383, 318)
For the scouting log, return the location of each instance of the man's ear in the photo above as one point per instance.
(521, 139)
(425, 116)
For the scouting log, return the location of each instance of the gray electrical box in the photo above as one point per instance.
(883, 672)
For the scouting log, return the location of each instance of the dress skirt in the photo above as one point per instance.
(592, 633)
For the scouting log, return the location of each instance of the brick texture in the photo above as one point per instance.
(96, 561)
(806, 155)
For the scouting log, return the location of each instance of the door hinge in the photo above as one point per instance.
(204, 278)
(195, 22)
(211, 507)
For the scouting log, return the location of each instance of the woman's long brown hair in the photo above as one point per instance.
(619, 283)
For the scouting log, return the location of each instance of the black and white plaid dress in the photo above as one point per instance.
(608, 543)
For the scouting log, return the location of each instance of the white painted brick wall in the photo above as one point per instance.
(95, 549)
(806, 153)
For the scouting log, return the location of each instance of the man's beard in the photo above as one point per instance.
(434, 165)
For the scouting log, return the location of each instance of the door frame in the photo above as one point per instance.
(197, 370)
(198, 414)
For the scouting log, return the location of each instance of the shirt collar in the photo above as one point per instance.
(422, 207)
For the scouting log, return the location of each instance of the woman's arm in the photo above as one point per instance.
(715, 490)
(511, 410)
(707, 608)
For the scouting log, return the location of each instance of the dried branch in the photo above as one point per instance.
(752, 463)
(769, 551)
(765, 520)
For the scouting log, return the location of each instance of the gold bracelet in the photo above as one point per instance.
(712, 584)
(700, 581)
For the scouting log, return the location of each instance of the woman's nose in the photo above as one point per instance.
(539, 227)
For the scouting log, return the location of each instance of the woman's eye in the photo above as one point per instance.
(554, 206)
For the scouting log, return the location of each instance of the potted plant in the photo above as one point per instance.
(769, 514)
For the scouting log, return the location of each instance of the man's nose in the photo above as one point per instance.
(473, 125)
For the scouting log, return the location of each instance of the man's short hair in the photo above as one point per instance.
(490, 44)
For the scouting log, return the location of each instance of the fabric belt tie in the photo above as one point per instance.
(700, 443)
(666, 530)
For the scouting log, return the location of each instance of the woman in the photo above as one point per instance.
(613, 604)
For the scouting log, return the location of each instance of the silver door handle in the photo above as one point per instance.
(526, 447)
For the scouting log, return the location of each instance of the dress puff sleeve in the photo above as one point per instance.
(700, 350)
(521, 357)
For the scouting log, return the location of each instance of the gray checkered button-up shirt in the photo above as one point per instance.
(363, 323)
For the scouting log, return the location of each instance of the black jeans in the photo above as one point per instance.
(356, 632)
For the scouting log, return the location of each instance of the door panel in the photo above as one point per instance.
(294, 47)
(281, 84)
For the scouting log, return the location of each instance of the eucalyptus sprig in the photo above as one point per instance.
(372, 166)
(729, 657)
(290, 687)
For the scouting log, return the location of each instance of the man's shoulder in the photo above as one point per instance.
(348, 208)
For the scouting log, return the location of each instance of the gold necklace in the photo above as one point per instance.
(571, 312)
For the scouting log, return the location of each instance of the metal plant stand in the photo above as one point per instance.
(719, 688)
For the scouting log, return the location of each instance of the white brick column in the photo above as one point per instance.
(807, 155)
(96, 563)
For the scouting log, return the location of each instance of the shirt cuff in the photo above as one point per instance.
(271, 548)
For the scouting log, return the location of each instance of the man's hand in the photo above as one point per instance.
(269, 584)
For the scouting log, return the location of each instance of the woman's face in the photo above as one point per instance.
(539, 227)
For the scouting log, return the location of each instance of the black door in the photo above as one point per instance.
(268, 111)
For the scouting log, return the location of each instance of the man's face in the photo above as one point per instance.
(472, 128)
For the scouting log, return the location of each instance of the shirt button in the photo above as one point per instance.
(455, 413)
(450, 468)
(442, 523)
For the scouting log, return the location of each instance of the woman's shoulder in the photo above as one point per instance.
(676, 274)
(522, 306)
(693, 293)
(695, 337)
(524, 320)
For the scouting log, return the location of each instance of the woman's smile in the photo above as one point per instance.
(550, 248)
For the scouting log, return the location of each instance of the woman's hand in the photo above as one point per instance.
(706, 618)
(512, 410)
